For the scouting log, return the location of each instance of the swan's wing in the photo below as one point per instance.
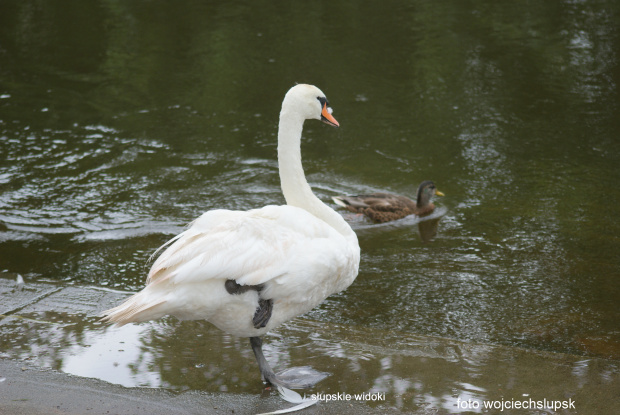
(250, 247)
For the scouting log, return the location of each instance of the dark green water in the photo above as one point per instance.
(120, 122)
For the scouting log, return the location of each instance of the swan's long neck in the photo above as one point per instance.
(295, 187)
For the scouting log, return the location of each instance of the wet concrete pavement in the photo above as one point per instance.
(436, 374)
(29, 390)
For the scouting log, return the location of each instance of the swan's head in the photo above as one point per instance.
(309, 102)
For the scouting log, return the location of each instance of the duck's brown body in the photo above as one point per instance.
(386, 207)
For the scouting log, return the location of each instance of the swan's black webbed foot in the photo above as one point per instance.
(263, 313)
(293, 378)
(233, 288)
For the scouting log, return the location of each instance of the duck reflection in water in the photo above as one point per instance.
(428, 229)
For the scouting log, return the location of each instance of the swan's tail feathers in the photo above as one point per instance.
(339, 200)
(165, 245)
(134, 310)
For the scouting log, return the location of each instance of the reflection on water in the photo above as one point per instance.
(122, 122)
(428, 229)
(427, 225)
(410, 372)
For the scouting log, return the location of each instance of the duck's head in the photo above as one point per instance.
(426, 191)
(310, 103)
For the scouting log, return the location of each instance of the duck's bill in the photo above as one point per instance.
(327, 117)
(438, 193)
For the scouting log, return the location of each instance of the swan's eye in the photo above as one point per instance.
(323, 101)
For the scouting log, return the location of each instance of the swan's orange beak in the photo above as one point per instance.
(327, 117)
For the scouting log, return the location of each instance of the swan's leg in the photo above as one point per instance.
(293, 378)
(265, 369)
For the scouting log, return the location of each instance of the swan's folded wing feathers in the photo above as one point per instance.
(189, 243)
(249, 247)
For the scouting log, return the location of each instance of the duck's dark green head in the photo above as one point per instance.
(426, 191)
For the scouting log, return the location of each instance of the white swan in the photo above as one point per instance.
(247, 272)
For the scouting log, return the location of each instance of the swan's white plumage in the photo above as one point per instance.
(300, 253)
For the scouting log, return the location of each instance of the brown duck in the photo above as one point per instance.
(385, 207)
